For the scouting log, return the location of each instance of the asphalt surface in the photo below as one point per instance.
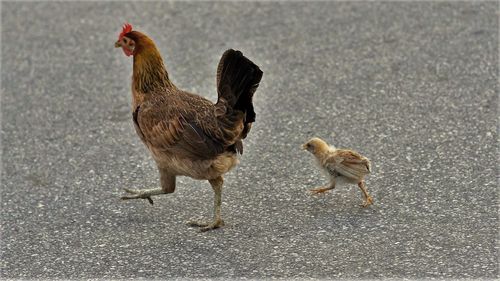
(413, 86)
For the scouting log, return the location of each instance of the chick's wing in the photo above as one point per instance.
(348, 163)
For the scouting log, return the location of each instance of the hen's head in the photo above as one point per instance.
(134, 42)
(125, 42)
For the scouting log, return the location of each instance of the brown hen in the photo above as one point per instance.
(186, 134)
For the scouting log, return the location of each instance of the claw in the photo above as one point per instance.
(367, 203)
(319, 190)
(204, 226)
(210, 227)
(128, 190)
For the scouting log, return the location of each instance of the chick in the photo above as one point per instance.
(342, 165)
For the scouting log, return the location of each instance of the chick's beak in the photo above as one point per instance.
(304, 146)
(118, 44)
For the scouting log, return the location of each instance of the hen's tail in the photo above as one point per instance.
(237, 81)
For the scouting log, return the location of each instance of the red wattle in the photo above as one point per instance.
(127, 52)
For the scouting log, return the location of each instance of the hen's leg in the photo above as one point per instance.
(217, 222)
(323, 189)
(167, 186)
(142, 194)
(368, 198)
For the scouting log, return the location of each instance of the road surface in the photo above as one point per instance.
(413, 86)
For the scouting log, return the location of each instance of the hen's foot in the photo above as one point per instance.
(205, 226)
(320, 190)
(367, 202)
(142, 194)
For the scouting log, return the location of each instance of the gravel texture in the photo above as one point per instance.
(413, 86)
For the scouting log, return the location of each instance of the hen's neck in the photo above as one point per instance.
(150, 74)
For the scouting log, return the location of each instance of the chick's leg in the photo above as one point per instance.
(217, 222)
(167, 186)
(368, 199)
(323, 189)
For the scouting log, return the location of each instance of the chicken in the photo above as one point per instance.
(186, 134)
(341, 165)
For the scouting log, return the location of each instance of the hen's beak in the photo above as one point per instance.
(118, 44)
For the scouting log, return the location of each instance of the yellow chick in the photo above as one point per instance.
(342, 165)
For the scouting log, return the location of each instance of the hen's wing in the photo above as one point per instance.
(348, 163)
(179, 128)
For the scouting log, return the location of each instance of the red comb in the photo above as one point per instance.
(127, 27)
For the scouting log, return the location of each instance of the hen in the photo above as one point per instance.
(342, 165)
(186, 134)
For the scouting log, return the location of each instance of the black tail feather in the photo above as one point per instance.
(237, 80)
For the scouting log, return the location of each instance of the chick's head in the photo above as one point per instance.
(316, 145)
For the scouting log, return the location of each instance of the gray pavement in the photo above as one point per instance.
(413, 86)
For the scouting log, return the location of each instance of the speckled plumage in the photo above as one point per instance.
(342, 165)
(187, 134)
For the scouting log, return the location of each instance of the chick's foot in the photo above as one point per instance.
(367, 202)
(320, 190)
